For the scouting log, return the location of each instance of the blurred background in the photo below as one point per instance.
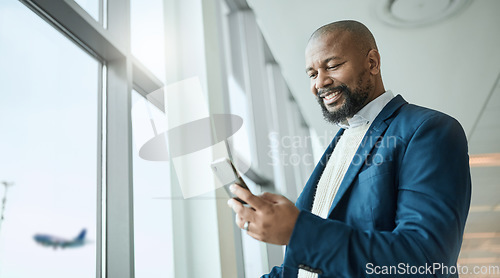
(85, 87)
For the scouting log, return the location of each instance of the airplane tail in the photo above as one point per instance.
(81, 236)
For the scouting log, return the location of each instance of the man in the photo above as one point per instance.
(391, 194)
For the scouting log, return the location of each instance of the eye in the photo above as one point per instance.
(312, 75)
(334, 66)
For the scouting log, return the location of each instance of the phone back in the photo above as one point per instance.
(224, 172)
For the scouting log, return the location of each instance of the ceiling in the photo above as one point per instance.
(452, 66)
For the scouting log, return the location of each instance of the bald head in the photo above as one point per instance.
(343, 65)
(359, 34)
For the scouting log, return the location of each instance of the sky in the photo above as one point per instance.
(48, 148)
(48, 118)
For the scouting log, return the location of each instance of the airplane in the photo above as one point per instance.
(52, 241)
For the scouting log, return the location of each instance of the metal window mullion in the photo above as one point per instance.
(101, 174)
(146, 83)
(119, 193)
(78, 26)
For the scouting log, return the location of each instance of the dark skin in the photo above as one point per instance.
(332, 59)
(272, 217)
(336, 58)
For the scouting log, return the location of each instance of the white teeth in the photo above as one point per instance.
(330, 96)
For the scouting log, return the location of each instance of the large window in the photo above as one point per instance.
(153, 250)
(147, 32)
(49, 147)
(72, 127)
(152, 197)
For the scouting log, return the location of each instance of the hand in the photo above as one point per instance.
(272, 217)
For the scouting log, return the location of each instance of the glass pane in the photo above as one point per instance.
(48, 147)
(91, 7)
(237, 98)
(252, 249)
(147, 35)
(152, 208)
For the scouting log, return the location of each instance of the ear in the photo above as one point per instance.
(373, 60)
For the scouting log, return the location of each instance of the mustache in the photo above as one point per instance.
(325, 91)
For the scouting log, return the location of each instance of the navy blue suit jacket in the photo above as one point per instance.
(403, 202)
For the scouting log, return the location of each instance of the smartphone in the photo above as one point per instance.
(227, 174)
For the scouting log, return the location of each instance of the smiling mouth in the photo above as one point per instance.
(331, 97)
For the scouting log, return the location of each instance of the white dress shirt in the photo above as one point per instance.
(368, 113)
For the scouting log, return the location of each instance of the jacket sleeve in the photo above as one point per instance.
(433, 199)
(275, 272)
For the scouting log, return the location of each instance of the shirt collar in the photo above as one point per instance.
(369, 112)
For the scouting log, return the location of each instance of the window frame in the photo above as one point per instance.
(108, 40)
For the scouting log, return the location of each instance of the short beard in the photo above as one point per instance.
(354, 101)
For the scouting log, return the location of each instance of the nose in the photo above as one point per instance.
(322, 80)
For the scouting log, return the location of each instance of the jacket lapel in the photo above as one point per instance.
(377, 128)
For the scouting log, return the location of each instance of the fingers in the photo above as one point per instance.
(271, 218)
(236, 206)
(270, 197)
(241, 224)
(239, 221)
(241, 212)
(247, 196)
